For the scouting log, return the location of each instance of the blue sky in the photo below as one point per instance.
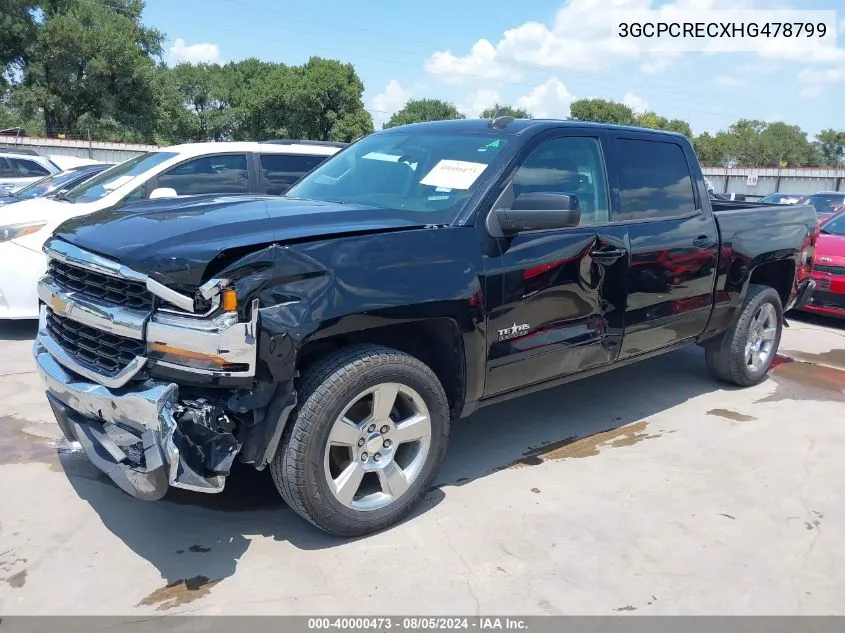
(540, 54)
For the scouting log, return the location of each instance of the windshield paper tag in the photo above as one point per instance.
(453, 174)
(117, 182)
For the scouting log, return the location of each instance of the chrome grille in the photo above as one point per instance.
(833, 270)
(99, 351)
(113, 291)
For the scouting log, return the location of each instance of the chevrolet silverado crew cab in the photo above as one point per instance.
(423, 272)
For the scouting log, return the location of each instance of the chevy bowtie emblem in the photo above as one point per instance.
(58, 305)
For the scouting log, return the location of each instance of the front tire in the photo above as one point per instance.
(365, 442)
(744, 354)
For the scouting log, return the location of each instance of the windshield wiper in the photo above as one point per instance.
(62, 196)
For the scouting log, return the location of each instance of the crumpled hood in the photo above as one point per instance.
(175, 240)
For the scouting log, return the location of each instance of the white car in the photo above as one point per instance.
(19, 170)
(226, 168)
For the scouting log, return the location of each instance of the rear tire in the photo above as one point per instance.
(744, 354)
(365, 442)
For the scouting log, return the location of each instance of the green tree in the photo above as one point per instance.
(784, 144)
(714, 151)
(324, 102)
(205, 114)
(831, 145)
(601, 111)
(93, 57)
(17, 28)
(256, 94)
(420, 110)
(505, 110)
(654, 121)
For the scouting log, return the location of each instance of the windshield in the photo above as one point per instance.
(412, 171)
(779, 198)
(825, 203)
(46, 185)
(834, 226)
(103, 184)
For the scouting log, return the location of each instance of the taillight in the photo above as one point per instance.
(808, 250)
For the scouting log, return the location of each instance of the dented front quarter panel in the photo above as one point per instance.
(315, 290)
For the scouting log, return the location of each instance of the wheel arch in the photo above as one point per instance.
(437, 342)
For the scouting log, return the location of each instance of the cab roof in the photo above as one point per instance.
(517, 127)
(274, 147)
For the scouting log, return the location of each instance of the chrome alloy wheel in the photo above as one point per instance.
(377, 447)
(760, 342)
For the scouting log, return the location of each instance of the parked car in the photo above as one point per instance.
(224, 168)
(53, 184)
(782, 198)
(826, 203)
(426, 271)
(828, 298)
(18, 170)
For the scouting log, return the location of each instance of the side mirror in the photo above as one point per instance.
(163, 192)
(535, 212)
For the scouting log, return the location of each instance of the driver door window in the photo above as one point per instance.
(209, 174)
(571, 165)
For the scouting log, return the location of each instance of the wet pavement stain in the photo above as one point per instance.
(834, 358)
(17, 446)
(178, 593)
(199, 549)
(574, 447)
(16, 581)
(731, 415)
(799, 380)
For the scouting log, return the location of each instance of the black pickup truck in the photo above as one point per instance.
(419, 274)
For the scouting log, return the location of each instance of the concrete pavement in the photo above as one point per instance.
(693, 498)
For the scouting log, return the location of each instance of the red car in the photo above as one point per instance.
(829, 268)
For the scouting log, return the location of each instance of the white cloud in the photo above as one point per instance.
(658, 64)
(822, 76)
(761, 68)
(637, 104)
(580, 38)
(480, 64)
(478, 101)
(728, 81)
(391, 99)
(811, 92)
(816, 79)
(181, 52)
(548, 100)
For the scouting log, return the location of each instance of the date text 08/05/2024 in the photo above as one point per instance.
(416, 623)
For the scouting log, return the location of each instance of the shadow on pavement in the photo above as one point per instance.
(816, 319)
(18, 330)
(193, 535)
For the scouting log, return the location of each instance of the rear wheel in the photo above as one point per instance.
(744, 354)
(365, 442)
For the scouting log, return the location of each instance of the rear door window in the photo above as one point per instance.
(654, 179)
(222, 173)
(28, 168)
(281, 171)
(6, 170)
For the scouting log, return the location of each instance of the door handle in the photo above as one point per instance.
(608, 255)
(704, 241)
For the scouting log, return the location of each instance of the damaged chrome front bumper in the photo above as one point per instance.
(130, 433)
